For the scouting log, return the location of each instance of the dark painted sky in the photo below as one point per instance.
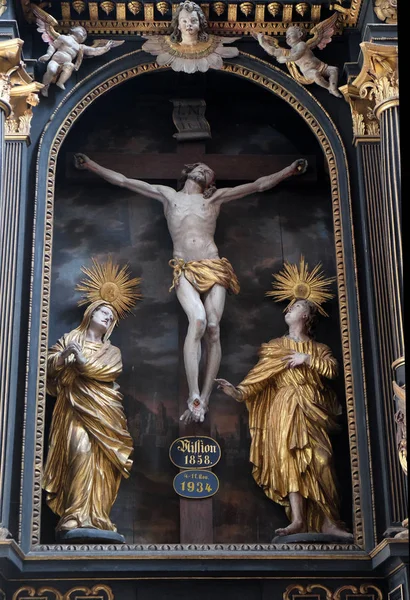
(256, 234)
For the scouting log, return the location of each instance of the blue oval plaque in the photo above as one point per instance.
(196, 484)
(192, 452)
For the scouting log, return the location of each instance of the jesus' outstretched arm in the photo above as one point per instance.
(262, 184)
(82, 161)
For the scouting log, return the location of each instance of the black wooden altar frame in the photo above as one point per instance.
(25, 558)
(75, 103)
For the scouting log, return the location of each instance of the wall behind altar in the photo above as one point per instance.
(93, 218)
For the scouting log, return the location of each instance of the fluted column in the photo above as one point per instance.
(5, 110)
(390, 152)
(379, 83)
(15, 129)
(374, 100)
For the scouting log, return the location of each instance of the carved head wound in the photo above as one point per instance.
(189, 6)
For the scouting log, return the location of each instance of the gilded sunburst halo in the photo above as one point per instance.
(295, 282)
(108, 282)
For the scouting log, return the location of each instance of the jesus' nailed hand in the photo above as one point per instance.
(201, 277)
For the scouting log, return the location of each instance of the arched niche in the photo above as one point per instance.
(258, 72)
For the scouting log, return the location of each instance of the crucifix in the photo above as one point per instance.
(200, 277)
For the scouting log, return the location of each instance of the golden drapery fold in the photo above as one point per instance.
(291, 413)
(204, 274)
(90, 446)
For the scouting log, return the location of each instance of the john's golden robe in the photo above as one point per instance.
(204, 274)
(291, 412)
(89, 443)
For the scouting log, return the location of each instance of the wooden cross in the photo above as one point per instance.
(168, 166)
(196, 516)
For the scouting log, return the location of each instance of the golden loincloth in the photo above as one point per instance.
(204, 274)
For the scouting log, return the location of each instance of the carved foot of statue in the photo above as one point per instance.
(294, 527)
(402, 535)
(333, 529)
(4, 533)
(89, 535)
(44, 91)
(335, 92)
(60, 85)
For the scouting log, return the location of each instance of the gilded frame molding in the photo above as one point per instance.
(306, 105)
(148, 22)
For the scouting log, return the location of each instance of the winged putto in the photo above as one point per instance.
(303, 65)
(190, 47)
(65, 52)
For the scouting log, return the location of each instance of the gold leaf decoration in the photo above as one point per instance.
(386, 10)
(274, 8)
(109, 283)
(134, 7)
(219, 8)
(246, 8)
(296, 283)
(79, 6)
(107, 6)
(302, 8)
(163, 7)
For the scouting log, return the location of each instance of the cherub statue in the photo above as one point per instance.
(65, 52)
(190, 47)
(300, 55)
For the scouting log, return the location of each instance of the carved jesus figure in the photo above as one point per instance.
(201, 278)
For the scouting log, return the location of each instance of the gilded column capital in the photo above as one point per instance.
(378, 79)
(386, 10)
(10, 60)
(22, 100)
(18, 91)
(366, 126)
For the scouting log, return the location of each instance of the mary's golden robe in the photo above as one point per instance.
(90, 446)
(291, 412)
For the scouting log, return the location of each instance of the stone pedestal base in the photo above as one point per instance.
(312, 538)
(88, 535)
